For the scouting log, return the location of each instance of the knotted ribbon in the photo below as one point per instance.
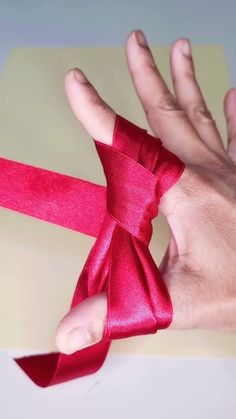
(138, 170)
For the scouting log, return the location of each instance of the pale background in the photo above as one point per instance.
(40, 262)
(138, 385)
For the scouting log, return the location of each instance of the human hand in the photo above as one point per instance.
(199, 266)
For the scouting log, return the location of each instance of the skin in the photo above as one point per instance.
(199, 266)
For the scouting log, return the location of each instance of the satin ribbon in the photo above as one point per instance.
(138, 170)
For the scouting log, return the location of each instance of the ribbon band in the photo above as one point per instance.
(138, 171)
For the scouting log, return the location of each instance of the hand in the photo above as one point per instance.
(199, 266)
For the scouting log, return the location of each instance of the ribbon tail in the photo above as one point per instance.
(137, 299)
(54, 197)
(50, 369)
(156, 289)
(55, 368)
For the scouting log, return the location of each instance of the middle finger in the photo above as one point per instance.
(164, 114)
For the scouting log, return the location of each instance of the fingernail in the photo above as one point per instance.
(140, 38)
(186, 48)
(79, 75)
(77, 339)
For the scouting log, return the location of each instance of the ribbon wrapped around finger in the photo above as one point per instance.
(138, 170)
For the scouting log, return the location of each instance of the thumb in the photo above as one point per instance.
(97, 117)
(83, 325)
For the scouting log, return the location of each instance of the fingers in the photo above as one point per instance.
(230, 115)
(83, 325)
(95, 115)
(189, 95)
(164, 113)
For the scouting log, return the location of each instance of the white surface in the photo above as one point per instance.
(153, 388)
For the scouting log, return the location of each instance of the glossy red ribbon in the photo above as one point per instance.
(139, 170)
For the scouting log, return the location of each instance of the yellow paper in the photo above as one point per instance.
(40, 262)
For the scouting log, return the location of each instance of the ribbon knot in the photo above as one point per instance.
(132, 198)
(138, 172)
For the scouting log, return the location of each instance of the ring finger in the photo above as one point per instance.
(189, 95)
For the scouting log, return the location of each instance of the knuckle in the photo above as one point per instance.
(166, 102)
(190, 75)
(231, 130)
(162, 104)
(232, 136)
(200, 113)
(187, 75)
(95, 100)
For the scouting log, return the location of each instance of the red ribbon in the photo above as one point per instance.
(139, 170)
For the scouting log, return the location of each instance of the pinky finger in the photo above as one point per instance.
(230, 115)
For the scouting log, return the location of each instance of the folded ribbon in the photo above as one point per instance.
(138, 170)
